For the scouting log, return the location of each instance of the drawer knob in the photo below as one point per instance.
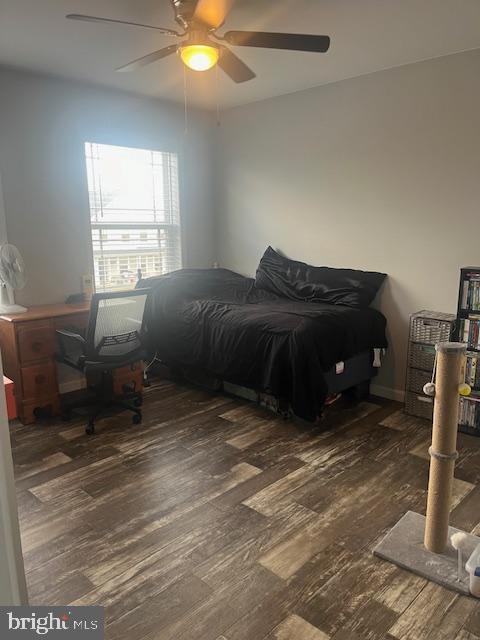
(36, 346)
(40, 378)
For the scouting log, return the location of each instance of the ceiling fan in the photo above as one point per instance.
(200, 20)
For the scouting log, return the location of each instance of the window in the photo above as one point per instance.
(134, 213)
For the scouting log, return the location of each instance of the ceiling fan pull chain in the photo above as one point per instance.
(217, 98)
(185, 99)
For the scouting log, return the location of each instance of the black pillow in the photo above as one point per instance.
(300, 281)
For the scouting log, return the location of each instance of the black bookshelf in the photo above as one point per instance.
(467, 330)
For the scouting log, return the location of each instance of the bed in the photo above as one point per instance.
(279, 334)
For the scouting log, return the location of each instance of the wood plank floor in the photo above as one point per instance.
(214, 520)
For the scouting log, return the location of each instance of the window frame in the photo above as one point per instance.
(156, 255)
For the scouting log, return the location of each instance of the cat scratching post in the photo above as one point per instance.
(443, 452)
(422, 544)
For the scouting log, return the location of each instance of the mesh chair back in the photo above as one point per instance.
(116, 325)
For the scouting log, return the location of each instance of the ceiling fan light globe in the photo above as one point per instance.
(199, 57)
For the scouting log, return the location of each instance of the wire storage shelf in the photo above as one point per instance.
(421, 356)
(427, 328)
(430, 328)
(417, 379)
(419, 405)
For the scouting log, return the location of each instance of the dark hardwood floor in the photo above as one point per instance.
(216, 520)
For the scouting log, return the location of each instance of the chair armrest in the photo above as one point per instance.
(70, 341)
(70, 334)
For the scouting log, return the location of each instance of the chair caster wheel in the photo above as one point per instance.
(90, 429)
(137, 418)
(138, 402)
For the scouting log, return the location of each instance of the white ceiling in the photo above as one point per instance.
(367, 35)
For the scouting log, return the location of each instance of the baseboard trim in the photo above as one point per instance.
(388, 392)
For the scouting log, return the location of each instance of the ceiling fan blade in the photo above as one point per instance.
(212, 12)
(234, 67)
(268, 40)
(79, 16)
(151, 57)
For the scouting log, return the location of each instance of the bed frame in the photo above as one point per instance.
(354, 381)
(356, 376)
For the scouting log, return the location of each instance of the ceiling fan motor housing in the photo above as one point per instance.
(184, 11)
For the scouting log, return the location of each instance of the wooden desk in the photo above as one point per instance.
(28, 345)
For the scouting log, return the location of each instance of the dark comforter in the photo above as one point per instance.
(215, 320)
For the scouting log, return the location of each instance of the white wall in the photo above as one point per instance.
(381, 172)
(44, 123)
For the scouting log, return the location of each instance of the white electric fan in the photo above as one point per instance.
(12, 277)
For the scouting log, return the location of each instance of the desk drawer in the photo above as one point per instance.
(39, 381)
(35, 342)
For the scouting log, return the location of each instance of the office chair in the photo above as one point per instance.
(114, 338)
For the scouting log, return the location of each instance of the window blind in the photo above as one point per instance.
(134, 213)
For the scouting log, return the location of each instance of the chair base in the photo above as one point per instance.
(106, 410)
(102, 402)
